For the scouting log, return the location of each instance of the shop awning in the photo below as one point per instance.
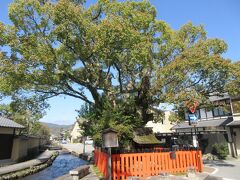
(234, 123)
(204, 123)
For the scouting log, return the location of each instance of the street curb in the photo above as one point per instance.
(213, 172)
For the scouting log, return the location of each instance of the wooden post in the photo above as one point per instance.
(84, 140)
(109, 164)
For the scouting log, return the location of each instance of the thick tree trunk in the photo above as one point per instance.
(144, 100)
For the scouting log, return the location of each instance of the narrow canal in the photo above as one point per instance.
(61, 165)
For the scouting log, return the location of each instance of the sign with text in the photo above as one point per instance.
(193, 120)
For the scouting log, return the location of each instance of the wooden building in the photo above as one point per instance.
(7, 132)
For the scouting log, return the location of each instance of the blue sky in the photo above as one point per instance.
(219, 17)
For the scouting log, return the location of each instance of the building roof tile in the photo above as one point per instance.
(234, 123)
(5, 122)
(145, 136)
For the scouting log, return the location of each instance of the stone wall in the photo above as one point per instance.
(207, 140)
(25, 147)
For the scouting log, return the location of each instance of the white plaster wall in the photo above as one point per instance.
(202, 114)
(237, 138)
(22, 145)
(4, 130)
(76, 132)
(159, 127)
(209, 114)
(236, 117)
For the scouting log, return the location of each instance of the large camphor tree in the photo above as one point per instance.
(115, 56)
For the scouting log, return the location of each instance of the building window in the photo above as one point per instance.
(221, 111)
(198, 114)
(215, 112)
(222, 108)
(203, 113)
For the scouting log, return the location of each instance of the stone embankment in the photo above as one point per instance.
(82, 172)
(23, 169)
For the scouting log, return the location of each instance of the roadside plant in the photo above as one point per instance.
(220, 150)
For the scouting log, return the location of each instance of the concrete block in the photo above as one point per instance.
(133, 178)
(79, 172)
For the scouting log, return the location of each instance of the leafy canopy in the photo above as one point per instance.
(109, 55)
(27, 112)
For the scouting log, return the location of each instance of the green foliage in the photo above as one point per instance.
(111, 50)
(67, 135)
(119, 118)
(43, 131)
(174, 117)
(26, 112)
(233, 87)
(221, 150)
(76, 140)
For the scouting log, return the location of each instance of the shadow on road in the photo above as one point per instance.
(218, 163)
(213, 178)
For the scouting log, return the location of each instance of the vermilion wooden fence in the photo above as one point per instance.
(148, 164)
(101, 161)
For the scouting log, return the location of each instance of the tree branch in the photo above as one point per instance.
(98, 14)
(119, 77)
(79, 93)
(53, 94)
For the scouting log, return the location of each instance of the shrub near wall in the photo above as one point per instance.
(220, 150)
(76, 140)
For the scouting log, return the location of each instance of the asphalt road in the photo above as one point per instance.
(227, 169)
(78, 147)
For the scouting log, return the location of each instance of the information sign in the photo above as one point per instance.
(193, 119)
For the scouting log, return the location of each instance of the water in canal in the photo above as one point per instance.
(61, 165)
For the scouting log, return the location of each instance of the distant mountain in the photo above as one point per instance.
(56, 128)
